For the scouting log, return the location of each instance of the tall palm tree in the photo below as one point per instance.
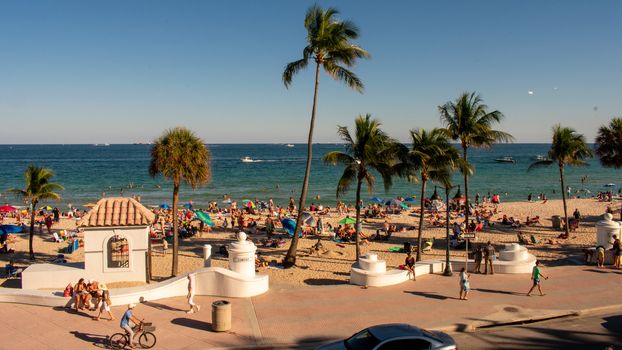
(328, 44)
(180, 155)
(609, 145)
(370, 148)
(467, 119)
(568, 148)
(433, 155)
(38, 187)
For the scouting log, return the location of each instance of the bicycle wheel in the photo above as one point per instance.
(147, 340)
(118, 341)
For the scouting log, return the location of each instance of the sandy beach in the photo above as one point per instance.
(332, 264)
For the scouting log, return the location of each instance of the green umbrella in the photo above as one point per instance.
(404, 206)
(347, 221)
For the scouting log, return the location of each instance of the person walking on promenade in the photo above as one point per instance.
(617, 251)
(409, 263)
(489, 252)
(478, 255)
(465, 287)
(535, 276)
(191, 303)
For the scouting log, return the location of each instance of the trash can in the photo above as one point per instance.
(408, 247)
(556, 221)
(221, 316)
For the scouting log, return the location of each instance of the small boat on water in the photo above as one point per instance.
(290, 145)
(506, 159)
(542, 157)
(610, 185)
(247, 159)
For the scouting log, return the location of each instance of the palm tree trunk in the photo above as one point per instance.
(466, 189)
(175, 229)
(420, 229)
(447, 271)
(358, 218)
(32, 230)
(290, 257)
(561, 178)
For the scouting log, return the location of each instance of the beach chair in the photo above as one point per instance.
(57, 239)
(427, 245)
(533, 239)
(521, 239)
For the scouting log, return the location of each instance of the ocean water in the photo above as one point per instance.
(89, 171)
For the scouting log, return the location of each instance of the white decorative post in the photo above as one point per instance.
(605, 229)
(242, 256)
(207, 255)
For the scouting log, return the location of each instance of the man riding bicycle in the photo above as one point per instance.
(125, 323)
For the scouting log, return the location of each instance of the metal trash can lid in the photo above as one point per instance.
(220, 303)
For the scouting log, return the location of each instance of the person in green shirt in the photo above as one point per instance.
(535, 276)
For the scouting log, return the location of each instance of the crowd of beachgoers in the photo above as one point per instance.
(327, 250)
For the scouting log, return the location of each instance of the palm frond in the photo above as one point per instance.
(341, 74)
(540, 164)
(337, 157)
(292, 68)
(349, 175)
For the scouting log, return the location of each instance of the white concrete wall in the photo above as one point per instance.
(38, 276)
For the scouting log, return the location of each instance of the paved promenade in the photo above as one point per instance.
(312, 314)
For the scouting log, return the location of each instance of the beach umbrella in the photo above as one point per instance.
(89, 205)
(376, 200)
(404, 206)
(47, 208)
(204, 217)
(393, 202)
(188, 205)
(10, 229)
(308, 219)
(409, 199)
(7, 208)
(289, 225)
(347, 221)
(165, 206)
(248, 203)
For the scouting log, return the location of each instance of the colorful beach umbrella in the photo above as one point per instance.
(409, 199)
(376, 200)
(188, 205)
(10, 229)
(308, 219)
(165, 206)
(248, 203)
(289, 225)
(347, 221)
(204, 217)
(404, 206)
(7, 208)
(47, 208)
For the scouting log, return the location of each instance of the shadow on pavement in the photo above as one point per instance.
(484, 290)
(159, 306)
(73, 311)
(323, 281)
(430, 295)
(100, 341)
(190, 323)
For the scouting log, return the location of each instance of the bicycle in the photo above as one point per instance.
(146, 339)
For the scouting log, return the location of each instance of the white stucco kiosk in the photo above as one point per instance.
(116, 238)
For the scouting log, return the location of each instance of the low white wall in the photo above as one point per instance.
(216, 281)
(362, 277)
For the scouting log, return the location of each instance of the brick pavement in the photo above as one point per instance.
(317, 313)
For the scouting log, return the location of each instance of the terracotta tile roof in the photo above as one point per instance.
(117, 211)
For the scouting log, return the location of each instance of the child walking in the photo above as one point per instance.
(464, 284)
(535, 276)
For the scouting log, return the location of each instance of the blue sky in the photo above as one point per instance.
(123, 71)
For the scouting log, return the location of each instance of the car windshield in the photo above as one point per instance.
(431, 335)
(362, 340)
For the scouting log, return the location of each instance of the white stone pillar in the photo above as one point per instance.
(605, 229)
(207, 255)
(242, 256)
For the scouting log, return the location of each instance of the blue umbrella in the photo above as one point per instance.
(393, 202)
(376, 200)
(165, 206)
(289, 225)
(10, 229)
(409, 199)
(188, 205)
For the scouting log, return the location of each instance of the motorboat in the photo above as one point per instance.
(247, 159)
(506, 159)
(610, 185)
(542, 157)
(290, 145)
